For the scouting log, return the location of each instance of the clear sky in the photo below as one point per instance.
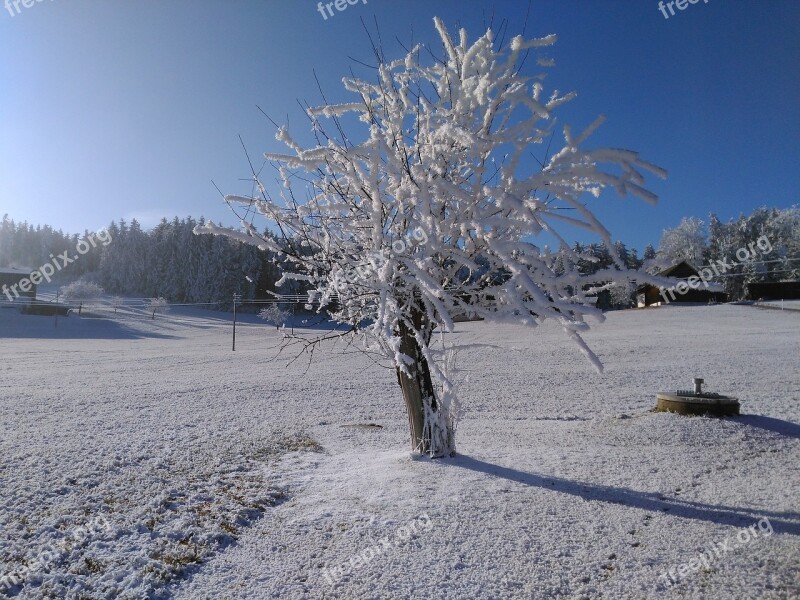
(112, 108)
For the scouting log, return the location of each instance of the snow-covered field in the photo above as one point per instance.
(781, 304)
(143, 459)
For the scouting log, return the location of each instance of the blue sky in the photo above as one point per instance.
(128, 109)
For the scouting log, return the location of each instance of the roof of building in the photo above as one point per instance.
(9, 271)
(682, 269)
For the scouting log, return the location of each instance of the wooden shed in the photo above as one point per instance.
(10, 282)
(682, 291)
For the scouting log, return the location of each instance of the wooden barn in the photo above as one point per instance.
(10, 281)
(682, 291)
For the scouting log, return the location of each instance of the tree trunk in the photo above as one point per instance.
(430, 434)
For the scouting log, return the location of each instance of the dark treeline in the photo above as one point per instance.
(169, 261)
(602, 257)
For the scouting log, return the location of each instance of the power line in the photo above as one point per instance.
(742, 264)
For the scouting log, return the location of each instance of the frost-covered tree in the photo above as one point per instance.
(81, 291)
(388, 222)
(157, 305)
(686, 242)
(274, 314)
(622, 294)
(730, 243)
(634, 262)
(116, 302)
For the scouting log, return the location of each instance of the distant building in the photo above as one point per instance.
(689, 287)
(10, 281)
(774, 290)
(601, 299)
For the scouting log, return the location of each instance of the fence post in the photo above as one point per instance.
(235, 298)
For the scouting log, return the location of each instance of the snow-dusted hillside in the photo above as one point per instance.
(142, 457)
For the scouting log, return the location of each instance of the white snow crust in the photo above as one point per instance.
(205, 467)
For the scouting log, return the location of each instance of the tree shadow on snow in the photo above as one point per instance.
(785, 428)
(782, 522)
(73, 328)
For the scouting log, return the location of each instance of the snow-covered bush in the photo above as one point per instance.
(275, 315)
(444, 155)
(80, 291)
(116, 302)
(157, 305)
(622, 294)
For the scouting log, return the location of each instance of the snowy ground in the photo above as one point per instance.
(143, 458)
(781, 304)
